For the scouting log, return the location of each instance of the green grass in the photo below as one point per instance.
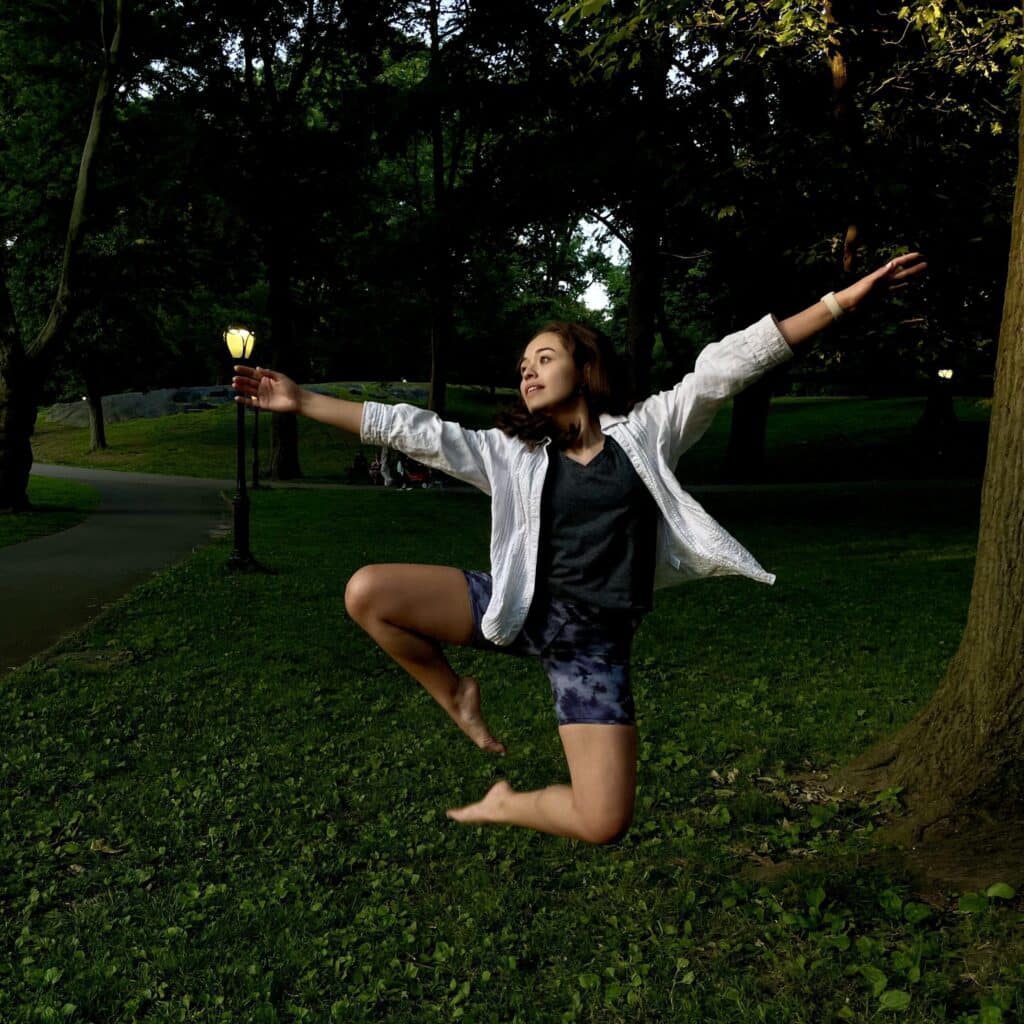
(807, 439)
(57, 505)
(223, 803)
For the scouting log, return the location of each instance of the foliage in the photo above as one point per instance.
(534, 142)
(223, 802)
(771, 182)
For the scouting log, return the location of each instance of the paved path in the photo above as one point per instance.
(144, 522)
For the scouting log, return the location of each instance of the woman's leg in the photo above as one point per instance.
(598, 807)
(410, 610)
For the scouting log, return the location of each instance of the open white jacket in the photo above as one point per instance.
(654, 435)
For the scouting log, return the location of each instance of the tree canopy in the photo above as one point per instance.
(397, 189)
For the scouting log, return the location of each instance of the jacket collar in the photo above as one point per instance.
(606, 420)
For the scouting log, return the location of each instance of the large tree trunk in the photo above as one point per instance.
(648, 212)
(644, 299)
(441, 302)
(22, 367)
(964, 752)
(847, 124)
(766, 287)
(18, 404)
(284, 428)
(97, 427)
(747, 430)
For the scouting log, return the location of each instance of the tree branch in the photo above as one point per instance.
(59, 321)
(612, 227)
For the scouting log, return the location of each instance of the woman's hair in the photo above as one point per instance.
(603, 384)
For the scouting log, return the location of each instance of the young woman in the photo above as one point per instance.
(587, 519)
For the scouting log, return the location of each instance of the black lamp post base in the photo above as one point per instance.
(241, 559)
(239, 562)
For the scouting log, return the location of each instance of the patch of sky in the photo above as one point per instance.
(598, 237)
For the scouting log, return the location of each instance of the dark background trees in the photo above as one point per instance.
(386, 190)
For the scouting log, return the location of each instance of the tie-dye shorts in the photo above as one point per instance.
(585, 653)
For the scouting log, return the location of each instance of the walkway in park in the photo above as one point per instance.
(144, 523)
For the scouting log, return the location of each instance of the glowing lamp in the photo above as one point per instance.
(240, 342)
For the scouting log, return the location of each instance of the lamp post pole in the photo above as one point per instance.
(240, 343)
(255, 449)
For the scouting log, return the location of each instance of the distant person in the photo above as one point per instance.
(587, 518)
(385, 467)
(416, 474)
(360, 471)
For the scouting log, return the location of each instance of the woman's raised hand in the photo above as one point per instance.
(266, 389)
(893, 275)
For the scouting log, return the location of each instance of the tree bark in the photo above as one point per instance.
(22, 366)
(18, 407)
(648, 212)
(94, 397)
(747, 429)
(964, 752)
(441, 302)
(644, 297)
(97, 428)
(284, 428)
(846, 121)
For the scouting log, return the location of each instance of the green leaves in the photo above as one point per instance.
(978, 902)
(894, 999)
(1000, 891)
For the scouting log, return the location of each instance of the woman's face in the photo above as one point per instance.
(547, 373)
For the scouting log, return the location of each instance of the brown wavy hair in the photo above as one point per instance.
(603, 383)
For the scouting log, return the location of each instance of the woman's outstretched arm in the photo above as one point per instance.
(274, 392)
(459, 452)
(801, 326)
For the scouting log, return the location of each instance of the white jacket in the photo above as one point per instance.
(654, 435)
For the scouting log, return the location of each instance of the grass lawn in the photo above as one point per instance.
(224, 803)
(807, 439)
(58, 505)
(203, 443)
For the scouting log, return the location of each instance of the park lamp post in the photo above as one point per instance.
(240, 344)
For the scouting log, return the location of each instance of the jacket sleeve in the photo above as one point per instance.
(423, 435)
(723, 369)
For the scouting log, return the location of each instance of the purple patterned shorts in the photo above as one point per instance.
(585, 652)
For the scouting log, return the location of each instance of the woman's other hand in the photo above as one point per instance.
(266, 389)
(895, 274)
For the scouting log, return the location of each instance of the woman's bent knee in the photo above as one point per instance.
(360, 592)
(605, 830)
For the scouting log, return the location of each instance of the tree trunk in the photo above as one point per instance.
(21, 366)
(441, 303)
(284, 428)
(648, 212)
(644, 298)
(747, 429)
(440, 343)
(964, 752)
(97, 428)
(847, 124)
(284, 445)
(18, 404)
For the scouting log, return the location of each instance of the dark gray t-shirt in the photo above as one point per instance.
(599, 529)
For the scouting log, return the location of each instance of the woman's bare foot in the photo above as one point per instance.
(468, 718)
(486, 811)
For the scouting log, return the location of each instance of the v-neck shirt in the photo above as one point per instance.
(598, 533)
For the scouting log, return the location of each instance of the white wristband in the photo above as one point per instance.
(832, 302)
